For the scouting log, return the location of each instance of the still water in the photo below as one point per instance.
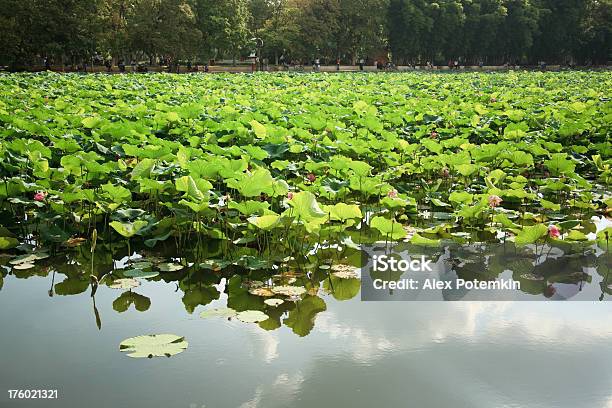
(335, 354)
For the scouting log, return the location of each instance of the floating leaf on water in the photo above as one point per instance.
(74, 242)
(170, 267)
(345, 271)
(289, 290)
(153, 259)
(215, 264)
(252, 316)
(141, 265)
(139, 273)
(28, 258)
(265, 292)
(127, 283)
(23, 266)
(222, 312)
(532, 277)
(274, 302)
(153, 345)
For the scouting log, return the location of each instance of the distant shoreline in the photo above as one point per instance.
(307, 68)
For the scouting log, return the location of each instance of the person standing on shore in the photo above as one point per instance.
(108, 63)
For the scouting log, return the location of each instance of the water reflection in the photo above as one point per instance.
(247, 279)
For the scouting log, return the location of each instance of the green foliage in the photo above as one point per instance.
(72, 32)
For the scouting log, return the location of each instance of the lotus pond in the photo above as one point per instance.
(231, 209)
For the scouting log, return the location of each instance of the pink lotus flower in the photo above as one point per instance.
(392, 194)
(434, 134)
(311, 177)
(553, 231)
(290, 195)
(40, 196)
(494, 201)
(445, 172)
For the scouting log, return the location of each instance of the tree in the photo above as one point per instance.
(596, 27)
(224, 26)
(164, 27)
(409, 22)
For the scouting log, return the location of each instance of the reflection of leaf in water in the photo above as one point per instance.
(342, 289)
(123, 302)
(97, 314)
(153, 345)
(302, 318)
(1, 281)
(72, 285)
(521, 266)
(199, 295)
(239, 298)
(276, 313)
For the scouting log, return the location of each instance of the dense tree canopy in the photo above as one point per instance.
(409, 31)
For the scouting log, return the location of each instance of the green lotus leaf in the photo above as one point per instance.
(265, 222)
(342, 211)
(305, 206)
(560, 164)
(531, 234)
(194, 189)
(8, 242)
(387, 227)
(291, 291)
(422, 241)
(274, 302)
(252, 316)
(127, 283)
(260, 130)
(223, 312)
(128, 229)
(139, 273)
(461, 197)
(169, 267)
(153, 345)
